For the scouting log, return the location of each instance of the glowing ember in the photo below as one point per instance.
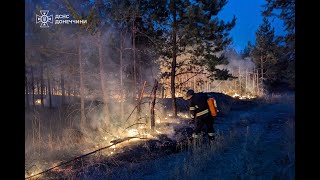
(38, 101)
(243, 97)
(235, 95)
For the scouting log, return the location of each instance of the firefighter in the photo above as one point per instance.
(200, 113)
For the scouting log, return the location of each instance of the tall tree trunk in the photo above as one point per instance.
(27, 91)
(162, 91)
(41, 86)
(32, 86)
(38, 87)
(74, 87)
(173, 75)
(246, 87)
(83, 117)
(194, 82)
(69, 93)
(253, 82)
(140, 72)
(240, 82)
(49, 89)
(262, 74)
(103, 80)
(258, 90)
(134, 58)
(154, 92)
(62, 89)
(139, 101)
(261, 62)
(121, 77)
(174, 61)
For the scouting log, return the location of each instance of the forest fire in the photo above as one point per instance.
(247, 97)
(238, 96)
(120, 82)
(112, 147)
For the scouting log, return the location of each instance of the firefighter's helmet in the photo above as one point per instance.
(189, 94)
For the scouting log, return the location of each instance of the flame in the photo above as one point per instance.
(243, 97)
(235, 95)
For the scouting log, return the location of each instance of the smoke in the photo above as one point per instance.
(59, 53)
(236, 62)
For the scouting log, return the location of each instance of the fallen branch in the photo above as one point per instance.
(114, 142)
(132, 125)
(134, 109)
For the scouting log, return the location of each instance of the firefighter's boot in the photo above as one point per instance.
(211, 137)
(195, 140)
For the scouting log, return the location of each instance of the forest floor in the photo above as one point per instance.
(253, 142)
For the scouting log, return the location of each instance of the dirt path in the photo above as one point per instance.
(253, 143)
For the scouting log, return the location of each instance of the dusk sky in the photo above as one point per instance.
(248, 14)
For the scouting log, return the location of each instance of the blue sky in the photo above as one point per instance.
(248, 14)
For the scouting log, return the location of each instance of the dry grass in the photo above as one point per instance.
(279, 98)
(245, 152)
(54, 135)
(51, 135)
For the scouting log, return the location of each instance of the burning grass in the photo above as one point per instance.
(53, 135)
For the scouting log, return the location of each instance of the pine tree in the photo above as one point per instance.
(246, 50)
(192, 27)
(264, 53)
(287, 14)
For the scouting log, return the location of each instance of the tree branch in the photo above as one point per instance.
(190, 78)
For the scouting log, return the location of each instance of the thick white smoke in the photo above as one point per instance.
(236, 62)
